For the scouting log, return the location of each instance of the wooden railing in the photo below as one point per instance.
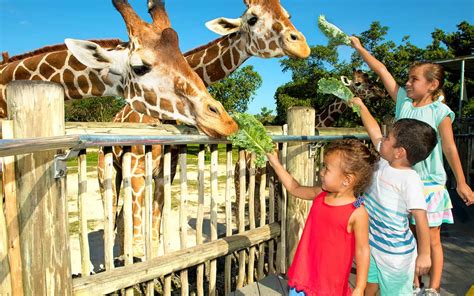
(262, 243)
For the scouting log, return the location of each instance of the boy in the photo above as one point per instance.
(395, 193)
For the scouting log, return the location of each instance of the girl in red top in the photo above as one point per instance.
(336, 230)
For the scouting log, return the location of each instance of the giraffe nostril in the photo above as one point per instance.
(357, 84)
(213, 109)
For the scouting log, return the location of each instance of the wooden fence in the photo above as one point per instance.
(35, 252)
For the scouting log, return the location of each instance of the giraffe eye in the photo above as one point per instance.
(251, 21)
(141, 70)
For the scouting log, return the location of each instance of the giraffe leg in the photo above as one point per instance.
(138, 197)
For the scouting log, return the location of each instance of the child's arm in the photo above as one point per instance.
(290, 183)
(423, 260)
(388, 81)
(452, 156)
(362, 251)
(372, 127)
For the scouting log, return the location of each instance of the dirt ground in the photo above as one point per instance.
(94, 212)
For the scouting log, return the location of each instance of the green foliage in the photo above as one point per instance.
(98, 109)
(237, 90)
(252, 136)
(468, 109)
(265, 116)
(335, 87)
(335, 35)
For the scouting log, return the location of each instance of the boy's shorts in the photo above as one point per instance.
(391, 281)
(293, 292)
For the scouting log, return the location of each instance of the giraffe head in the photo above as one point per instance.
(152, 75)
(268, 28)
(362, 86)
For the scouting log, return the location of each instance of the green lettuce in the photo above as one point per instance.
(335, 87)
(252, 136)
(335, 35)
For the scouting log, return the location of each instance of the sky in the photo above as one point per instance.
(26, 25)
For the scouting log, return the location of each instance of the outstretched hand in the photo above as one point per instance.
(355, 42)
(356, 101)
(272, 157)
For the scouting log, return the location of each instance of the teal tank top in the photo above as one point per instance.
(432, 167)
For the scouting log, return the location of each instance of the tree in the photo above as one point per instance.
(98, 109)
(265, 116)
(237, 90)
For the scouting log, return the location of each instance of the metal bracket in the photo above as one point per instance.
(60, 166)
(313, 148)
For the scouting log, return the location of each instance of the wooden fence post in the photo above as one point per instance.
(37, 110)
(301, 167)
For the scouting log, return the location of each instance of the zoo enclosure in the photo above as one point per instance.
(36, 211)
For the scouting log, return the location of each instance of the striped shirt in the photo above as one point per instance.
(389, 199)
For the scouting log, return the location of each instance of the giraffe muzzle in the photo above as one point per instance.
(295, 45)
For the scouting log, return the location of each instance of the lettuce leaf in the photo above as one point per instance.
(335, 35)
(252, 136)
(335, 87)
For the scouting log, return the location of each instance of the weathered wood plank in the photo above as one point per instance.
(122, 277)
(108, 200)
(200, 217)
(11, 264)
(228, 216)
(41, 199)
(167, 211)
(213, 210)
(81, 208)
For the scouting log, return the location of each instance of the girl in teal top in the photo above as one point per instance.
(422, 99)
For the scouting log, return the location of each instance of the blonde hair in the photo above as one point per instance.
(431, 72)
(356, 159)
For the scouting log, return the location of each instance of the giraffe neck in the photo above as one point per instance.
(219, 58)
(329, 115)
(61, 67)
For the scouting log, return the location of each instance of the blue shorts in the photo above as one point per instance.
(392, 282)
(293, 292)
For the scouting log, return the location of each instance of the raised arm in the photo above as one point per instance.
(370, 124)
(388, 81)
(293, 187)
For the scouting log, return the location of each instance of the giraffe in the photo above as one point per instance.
(361, 86)
(264, 30)
(149, 71)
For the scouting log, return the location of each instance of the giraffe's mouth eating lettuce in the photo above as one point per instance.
(253, 137)
(335, 87)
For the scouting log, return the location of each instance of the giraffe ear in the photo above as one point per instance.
(92, 55)
(224, 26)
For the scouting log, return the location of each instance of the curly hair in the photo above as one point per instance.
(357, 159)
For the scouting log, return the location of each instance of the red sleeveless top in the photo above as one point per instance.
(324, 255)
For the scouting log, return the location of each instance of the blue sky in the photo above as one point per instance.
(26, 25)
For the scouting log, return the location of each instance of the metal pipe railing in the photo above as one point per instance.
(78, 142)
